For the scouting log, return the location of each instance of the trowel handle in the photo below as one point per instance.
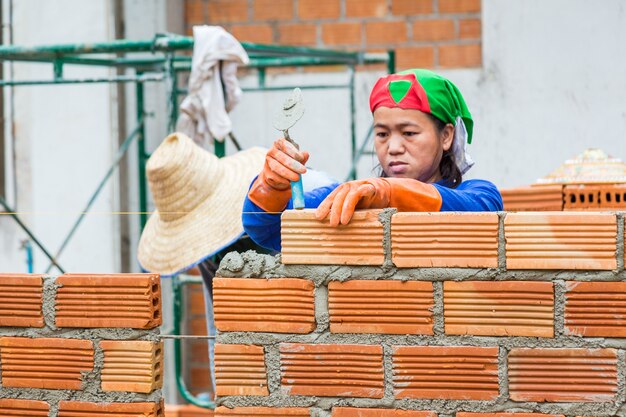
(297, 191)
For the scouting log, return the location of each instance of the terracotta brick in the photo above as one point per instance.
(199, 350)
(132, 365)
(223, 11)
(200, 379)
(415, 57)
(411, 7)
(378, 33)
(469, 28)
(252, 33)
(261, 411)
(284, 305)
(240, 370)
(460, 56)
(197, 326)
(332, 370)
(503, 308)
(506, 414)
(562, 375)
(195, 12)
(466, 240)
(318, 9)
(393, 307)
(306, 240)
(379, 412)
(10, 407)
(298, 34)
(597, 197)
(273, 9)
(459, 6)
(21, 299)
(195, 300)
(560, 240)
(366, 8)
(445, 372)
(187, 410)
(115, 300)
(342, 33)
(434, 30)
(86, 409)
(45, 363)
(595, 309)
(544, 198)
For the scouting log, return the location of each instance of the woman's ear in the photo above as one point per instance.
(447, 136)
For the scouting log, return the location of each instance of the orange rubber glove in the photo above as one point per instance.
(405, 194)
(283, 163)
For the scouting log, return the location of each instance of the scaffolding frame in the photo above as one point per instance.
(162, 59)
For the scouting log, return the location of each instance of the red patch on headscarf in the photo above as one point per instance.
(415, 97)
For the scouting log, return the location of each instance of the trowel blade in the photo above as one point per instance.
(291, 112)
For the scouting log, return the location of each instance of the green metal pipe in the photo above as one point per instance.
(352, 117)
(177, 285)
(141, 155)
(120, 79)
(303, 87)
(25, 228)
(391, 61)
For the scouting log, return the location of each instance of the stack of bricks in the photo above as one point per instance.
(580, 197)
(427, 314)
(80, 345)
(424, 33)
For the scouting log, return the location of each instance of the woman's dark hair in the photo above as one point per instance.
(451, 176)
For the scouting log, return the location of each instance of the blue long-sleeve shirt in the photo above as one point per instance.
(470, 195)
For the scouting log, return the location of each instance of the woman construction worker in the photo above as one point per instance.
(421, 127)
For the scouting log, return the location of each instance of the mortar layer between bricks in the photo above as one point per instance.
(90, 391)
(253, 265)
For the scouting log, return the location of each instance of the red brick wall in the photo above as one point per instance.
(424, 33)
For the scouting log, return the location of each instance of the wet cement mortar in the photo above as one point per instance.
(252, 265)
(90, 390)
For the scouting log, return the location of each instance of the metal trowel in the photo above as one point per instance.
(292, 111)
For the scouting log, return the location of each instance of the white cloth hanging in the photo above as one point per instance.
(204, 112)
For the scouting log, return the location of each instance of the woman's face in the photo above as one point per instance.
(408, 144)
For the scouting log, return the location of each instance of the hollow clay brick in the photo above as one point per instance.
(379, 412)
(306, 240)
(332, 370)
(392, 307)
(262, 411)
(21, 299)
(445, 372)
(560, 240)
(465, 240)
(503, 308)
(187, 410)
(116, 300)
(240, 370)
(87, 409)
(562, 375)
(45, 363)
(595, 309)
(131, 365)
(284, 305)
(10, 407)
(544, 198)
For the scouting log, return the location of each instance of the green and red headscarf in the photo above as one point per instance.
(431, 93)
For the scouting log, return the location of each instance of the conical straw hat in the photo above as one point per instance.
(198, 199)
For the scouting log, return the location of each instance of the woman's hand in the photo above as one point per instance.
(283, 164)
(345, 199)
